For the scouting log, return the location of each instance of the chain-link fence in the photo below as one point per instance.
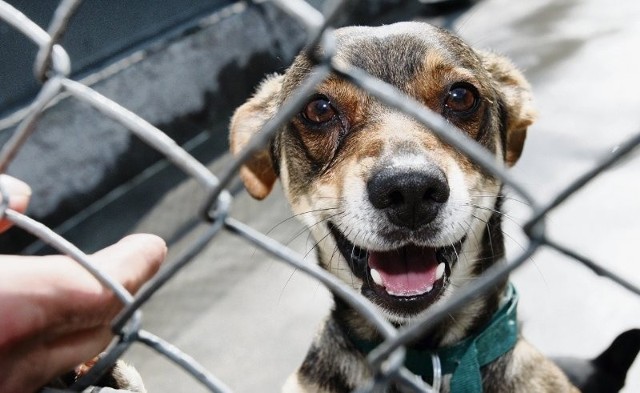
(52, 67)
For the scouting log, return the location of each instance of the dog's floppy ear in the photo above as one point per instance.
(258, 172)
(516, 93)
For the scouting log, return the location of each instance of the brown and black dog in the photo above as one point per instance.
(402, 217)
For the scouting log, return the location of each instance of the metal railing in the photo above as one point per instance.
(52, 67)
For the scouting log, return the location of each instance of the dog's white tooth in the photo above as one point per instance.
(429, 289)
(376, 277)
(440, 271)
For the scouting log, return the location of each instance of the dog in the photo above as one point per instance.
(402, 217)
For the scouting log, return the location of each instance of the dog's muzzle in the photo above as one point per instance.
(411, 277)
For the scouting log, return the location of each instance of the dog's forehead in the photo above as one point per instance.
(395, 52)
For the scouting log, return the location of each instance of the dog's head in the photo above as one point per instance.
(396, 212)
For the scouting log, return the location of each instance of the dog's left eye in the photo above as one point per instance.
(462, 98)
(319, 110)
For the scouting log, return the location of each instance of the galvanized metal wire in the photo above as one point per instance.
(52, 66)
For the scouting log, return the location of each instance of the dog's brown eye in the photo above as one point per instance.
(462, 98)
(319, 110)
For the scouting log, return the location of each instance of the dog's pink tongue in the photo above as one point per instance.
(409, 271)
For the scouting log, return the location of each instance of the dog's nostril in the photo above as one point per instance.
(438, 193)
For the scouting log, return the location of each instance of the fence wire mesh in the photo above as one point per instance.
(52, 67)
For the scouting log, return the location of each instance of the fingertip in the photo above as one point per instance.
(147, 240)
(153, 247)
(19, 194)
(133, 260)
(15, 187)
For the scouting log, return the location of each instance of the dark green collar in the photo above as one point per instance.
(464, 359)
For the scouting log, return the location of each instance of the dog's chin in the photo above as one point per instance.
(403, 281)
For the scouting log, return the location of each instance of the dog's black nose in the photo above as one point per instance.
(410, 198)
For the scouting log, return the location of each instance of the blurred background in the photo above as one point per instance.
(184, 66)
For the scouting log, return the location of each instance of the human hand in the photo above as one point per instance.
(54, 315)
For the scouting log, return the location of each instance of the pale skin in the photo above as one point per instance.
(54, 315)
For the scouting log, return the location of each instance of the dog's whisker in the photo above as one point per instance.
(295, 216)
(307, 229)
(501, 213)
(317, 244)
(475, 235)
(501, 196)
(352, 276)
(492, 210)
(305, 255)
(492, 250)
(366, 276)
(468, 229)
(501, 231)
(284, 287)
(304, 228)
(507, 235)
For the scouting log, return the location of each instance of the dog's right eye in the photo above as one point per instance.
(319, 110)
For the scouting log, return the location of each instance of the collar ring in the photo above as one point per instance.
(437, 373)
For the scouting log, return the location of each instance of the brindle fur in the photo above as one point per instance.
(422, 61)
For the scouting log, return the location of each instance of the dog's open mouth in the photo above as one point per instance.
(407, 280)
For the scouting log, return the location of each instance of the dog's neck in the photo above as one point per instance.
(464, 360)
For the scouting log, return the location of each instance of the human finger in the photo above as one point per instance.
(19, 193)
(133, 260)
